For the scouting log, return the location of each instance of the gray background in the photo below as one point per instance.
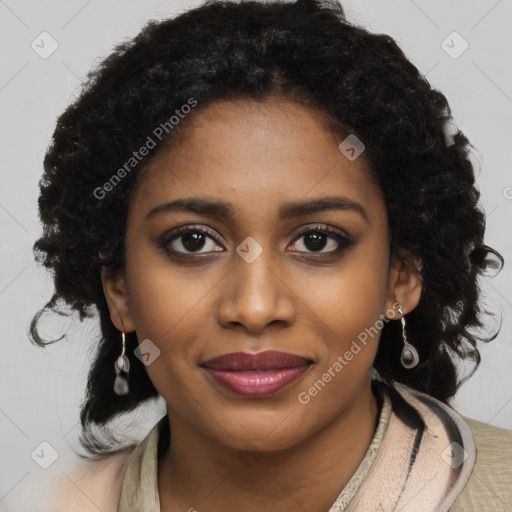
(41, 390)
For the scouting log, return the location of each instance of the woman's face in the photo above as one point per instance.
(253, 277)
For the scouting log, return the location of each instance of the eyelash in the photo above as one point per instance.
(344, 241)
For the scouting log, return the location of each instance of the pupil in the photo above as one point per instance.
(315, 241)
(193, 241)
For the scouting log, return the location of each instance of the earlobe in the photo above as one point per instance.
(405, 283)
(117, 299)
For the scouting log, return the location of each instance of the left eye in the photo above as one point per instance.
(315, 240)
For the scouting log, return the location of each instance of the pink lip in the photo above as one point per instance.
(258, 374)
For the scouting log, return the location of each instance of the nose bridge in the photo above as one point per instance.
(256, 294)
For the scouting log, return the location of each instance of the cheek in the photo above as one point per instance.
(167, 308)
(167, 303)
(350, 303)
(352, 296)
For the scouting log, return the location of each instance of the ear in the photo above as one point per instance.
(405, 282)
(117, 299)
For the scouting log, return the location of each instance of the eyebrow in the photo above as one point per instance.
(222, 209)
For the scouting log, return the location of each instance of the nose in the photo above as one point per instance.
(256, 295)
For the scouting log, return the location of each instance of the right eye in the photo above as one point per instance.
(189, 240)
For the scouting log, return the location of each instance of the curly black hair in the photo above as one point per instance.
(307, 52)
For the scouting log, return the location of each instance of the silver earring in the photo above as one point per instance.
(409, 357)
(122, 365)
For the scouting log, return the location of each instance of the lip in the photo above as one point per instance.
(260, 374)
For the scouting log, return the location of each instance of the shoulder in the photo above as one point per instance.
(489, 487)
(97, 484)
(90, 485)
(487, 452)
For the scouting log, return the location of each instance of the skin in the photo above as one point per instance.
(270, 453)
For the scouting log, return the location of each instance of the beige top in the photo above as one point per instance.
(128, 480)
(490, 487)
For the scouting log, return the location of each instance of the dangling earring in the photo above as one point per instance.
(122, 365)
(409, 357)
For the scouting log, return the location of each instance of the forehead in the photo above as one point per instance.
(257, 153)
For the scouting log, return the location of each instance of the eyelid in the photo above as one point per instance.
(324, 228)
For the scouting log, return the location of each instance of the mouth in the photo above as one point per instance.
(260, 374)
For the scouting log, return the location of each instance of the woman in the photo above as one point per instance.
(283, 241)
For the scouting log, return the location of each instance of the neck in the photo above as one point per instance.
(196, 471)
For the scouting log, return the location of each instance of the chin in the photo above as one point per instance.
(278, 432)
